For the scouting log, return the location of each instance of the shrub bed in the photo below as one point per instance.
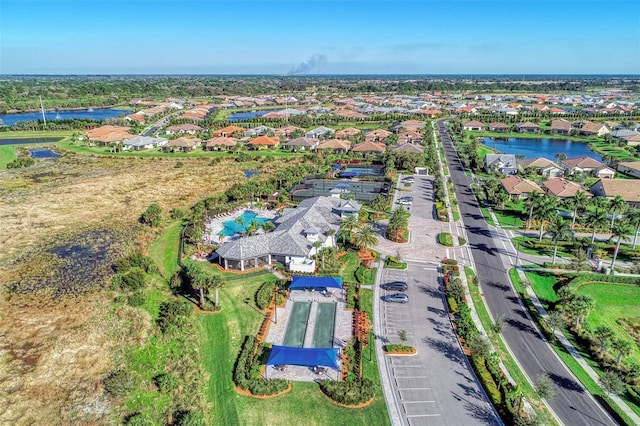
(348, 393)
(399, 348)
(394, 263)
(264, 295)
(446, 239)
(246, 372)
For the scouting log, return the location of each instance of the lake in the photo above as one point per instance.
(245, 115)
(97, 114)
(547, 148)
(25, 141)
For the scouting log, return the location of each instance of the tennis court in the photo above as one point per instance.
(297, 327)
(325, 321)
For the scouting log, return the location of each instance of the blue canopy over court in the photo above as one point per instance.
(309, 357)
(301, 283)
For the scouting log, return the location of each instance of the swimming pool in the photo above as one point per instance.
(232, 227)
(361, 171)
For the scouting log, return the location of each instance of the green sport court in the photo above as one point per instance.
(299, 321)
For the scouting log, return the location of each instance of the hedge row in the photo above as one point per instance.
(265, 294)
(488, 383)
(584, 278)
(242, 373)
(348, 393)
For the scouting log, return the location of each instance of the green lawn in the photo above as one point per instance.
(221, 337)
(487, 216)
(542, 284)
(164, 249)
(519, 243)
(7, 155)
(614, 301)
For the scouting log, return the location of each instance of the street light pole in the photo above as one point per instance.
(517, 254)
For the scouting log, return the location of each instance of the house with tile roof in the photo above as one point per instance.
(347, 133)
(321, 132)
(378, 135)
(105, 135)
(369, 147)
(409, 136)
(473, 125)
(187, 128)
(498, 127)
(610, 188)
(408, 147)
(519, 188)
(563, 188)
(301, 144)
(587, 166)
(542, 166)
(504, 163)
(561, 126)
(287, 131)
(227, 132)
(263, 142)
(143, 142)
(589, 128)
(259, 131)
(337, 146)
(183, 144)
(221, 143)
(631, 168)
(527, 127)
(291, 242)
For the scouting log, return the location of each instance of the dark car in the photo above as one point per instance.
(397, 298)
(395, 286)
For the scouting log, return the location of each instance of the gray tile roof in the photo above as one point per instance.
(289, 237)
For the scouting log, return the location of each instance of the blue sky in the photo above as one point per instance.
(330, 37)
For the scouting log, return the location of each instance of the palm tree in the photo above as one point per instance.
(532, 202)
(580, 307)
(597, 219)
(330, 233)
(617, 205)
(579, 202)
(365, 237)
(268, 226)
(634, 220)
(603, 334)
(559, 230)
(349, 225)
(621, 230)
(316, 245)
(398, 221)
(546, 209)
(622, 347)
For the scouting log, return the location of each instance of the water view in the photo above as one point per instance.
(27, 141)
(98, 114)
(547, 148)
(44, 153)
(245, 115)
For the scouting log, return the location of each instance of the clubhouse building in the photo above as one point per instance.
(292, 241)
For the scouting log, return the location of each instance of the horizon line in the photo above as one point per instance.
(315, 75)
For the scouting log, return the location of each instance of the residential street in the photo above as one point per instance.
(436, 386)
(492, 257)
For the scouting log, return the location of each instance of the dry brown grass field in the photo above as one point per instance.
(54, 351)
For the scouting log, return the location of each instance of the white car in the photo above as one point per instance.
(408, 179)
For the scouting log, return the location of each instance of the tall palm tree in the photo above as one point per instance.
(532, 202)
(330, 233)
(559, 230)
(603, 334)
(317, 245)
(621, 230)
(617, 205)
(398, 221)
(365, 237)
(546, 209)
(634, 220)
(597, 219)
(601, 203)
(349, 225)
(579, 202)
(622, 347)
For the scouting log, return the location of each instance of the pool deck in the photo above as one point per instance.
(215, 224)
(343, 332)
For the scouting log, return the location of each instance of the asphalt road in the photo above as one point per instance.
(572, 404)
(437, 385)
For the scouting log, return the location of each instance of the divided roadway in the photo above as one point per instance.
(572, 404)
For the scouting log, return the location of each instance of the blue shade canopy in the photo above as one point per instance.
(309, 357)
(301, 282)
(336, 166)
(343, 185)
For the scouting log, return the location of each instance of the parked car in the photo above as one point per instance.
(408, 179)
(405, 201)
(397, 298)
(395, 286)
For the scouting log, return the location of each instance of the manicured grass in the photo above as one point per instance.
(487, 216)
(221, 337)
(542, 284)
(446, 239)
(518, 243)
(7, 155)
(510, 217)
(36, 134)
(614, 301)
(164, 249)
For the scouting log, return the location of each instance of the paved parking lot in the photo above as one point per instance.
(436, 386)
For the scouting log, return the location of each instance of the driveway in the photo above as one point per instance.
(436, 386)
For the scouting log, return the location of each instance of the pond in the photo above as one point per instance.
(547, 148)
(26, 141)
(250, 173)
(97, 114)
(245, 115)
(44, 153)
